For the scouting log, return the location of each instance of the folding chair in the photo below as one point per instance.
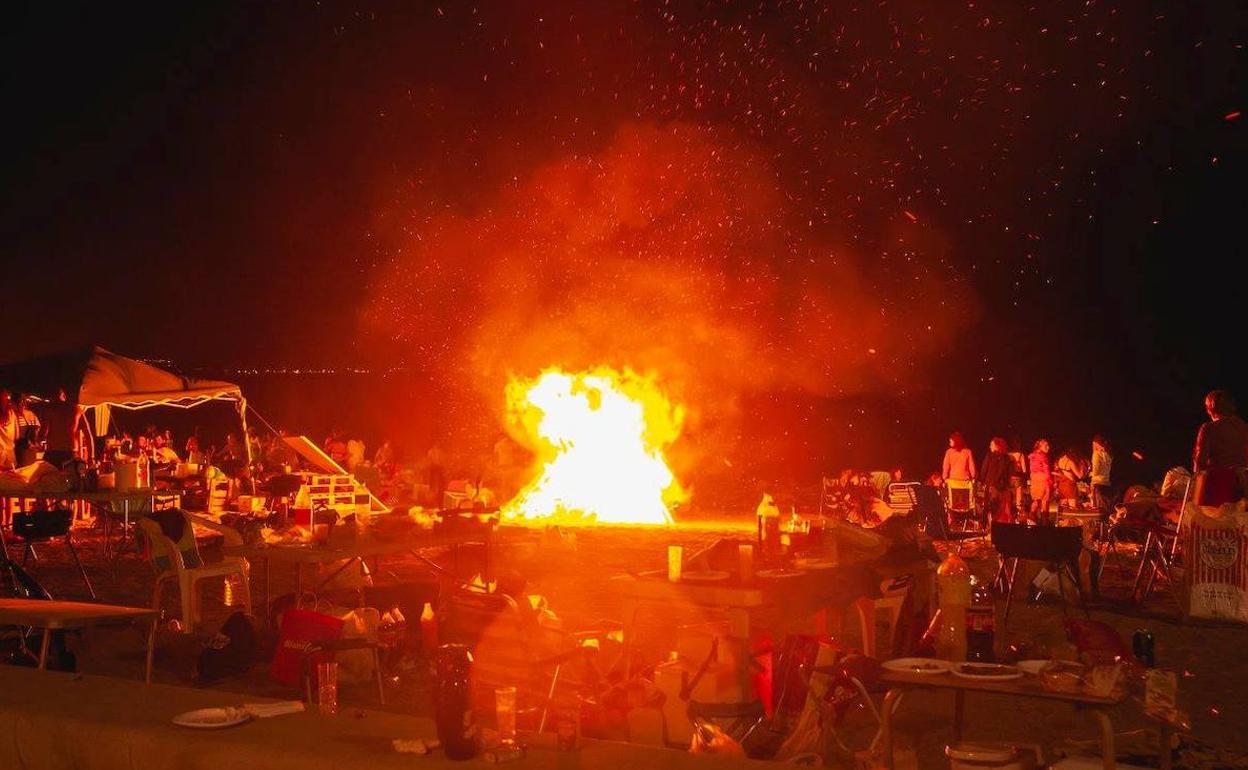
(1058, 546)
(960, 501)
(34, 527)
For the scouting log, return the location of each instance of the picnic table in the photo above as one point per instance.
(350, 552)
(59, 616)
(899, 682)
(55, 721)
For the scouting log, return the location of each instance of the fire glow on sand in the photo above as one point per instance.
(598, 437)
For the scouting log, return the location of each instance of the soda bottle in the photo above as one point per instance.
(980, 624)
(452, 707)
(953, 582)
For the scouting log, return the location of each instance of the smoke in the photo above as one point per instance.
(674, 250)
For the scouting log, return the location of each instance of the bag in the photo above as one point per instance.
(299, 628)
(230, 652)
(1216, 550)
(40, 525)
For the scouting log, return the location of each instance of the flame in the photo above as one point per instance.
(599, 437)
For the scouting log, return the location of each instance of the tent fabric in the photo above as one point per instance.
(96, 377)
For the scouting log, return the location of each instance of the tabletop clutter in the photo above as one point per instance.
(730, 686)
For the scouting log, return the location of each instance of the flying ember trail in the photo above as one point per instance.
(598, 437)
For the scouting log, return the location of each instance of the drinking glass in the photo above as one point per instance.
(505, 714)
(327, 687)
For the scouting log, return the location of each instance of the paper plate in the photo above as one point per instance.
(704, 576)
(1032, 667)
(987, 672)
(212, 718)
(917, 665)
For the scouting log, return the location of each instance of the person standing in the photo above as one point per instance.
(959, 464)
(1040, 480)
(1221, 452)
(1102, 463)
(8, 431)
(995, 476)
(1072, 470)
(958, 473)
(1018, 473)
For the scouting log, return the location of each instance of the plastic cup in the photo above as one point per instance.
(327, 687)
(675, 561)
(505, 714)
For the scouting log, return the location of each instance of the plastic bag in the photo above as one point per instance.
(710, 738)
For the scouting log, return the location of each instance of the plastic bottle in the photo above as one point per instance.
(980, 624)
(953, 585)
(143, 475)
(768, 527)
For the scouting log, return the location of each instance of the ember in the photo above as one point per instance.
(598, 437)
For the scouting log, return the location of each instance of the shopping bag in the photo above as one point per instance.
(299, 628)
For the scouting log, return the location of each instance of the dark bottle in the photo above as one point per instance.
(1144, 646)
(980, 624)
(452, 696)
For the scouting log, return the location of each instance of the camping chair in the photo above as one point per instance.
(511, 647)
(42, 527)
(960, 504)
(180, 561)
(902, 496)
(1054, 545)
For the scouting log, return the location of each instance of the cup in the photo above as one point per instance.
(327, 687)
(505, 714)
(745, 562)
(675, 560)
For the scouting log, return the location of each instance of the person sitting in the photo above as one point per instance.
(1221, 452)
(162, 453)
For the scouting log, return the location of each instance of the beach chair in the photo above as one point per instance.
(179, 561)
(960, 505)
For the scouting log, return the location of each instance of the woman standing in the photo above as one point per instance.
(1018, 473)
(1041, 480)
(958, 473)
(8, 431)
(1102, 462)
(1071, 471)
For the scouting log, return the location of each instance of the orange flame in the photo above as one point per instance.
(599, 437)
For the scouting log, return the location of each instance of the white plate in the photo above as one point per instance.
(1006, 673)
(917, 665)
(815, 564)
(213, 718)
(1032, 667)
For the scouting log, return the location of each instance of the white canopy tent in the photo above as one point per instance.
(100, 380)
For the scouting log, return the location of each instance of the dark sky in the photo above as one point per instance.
(237, 185)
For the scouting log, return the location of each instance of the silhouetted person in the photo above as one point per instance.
(1221, 451)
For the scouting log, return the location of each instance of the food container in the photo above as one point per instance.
(998, 756)
(1062, 676)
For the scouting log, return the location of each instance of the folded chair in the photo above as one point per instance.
(1058, 546)
(179, 561)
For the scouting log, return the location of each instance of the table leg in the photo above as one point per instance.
(628, 635)
(866, 617)
(298, 584)
(1107, 739)
(886, 725)
(959, 709)
(1163, 747)
(43, 649)
(267, 567)
(151, 647)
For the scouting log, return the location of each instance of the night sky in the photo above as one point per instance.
(839, 229)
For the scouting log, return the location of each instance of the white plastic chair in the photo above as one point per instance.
(189, 578)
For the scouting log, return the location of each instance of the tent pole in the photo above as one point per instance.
(242, 418)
